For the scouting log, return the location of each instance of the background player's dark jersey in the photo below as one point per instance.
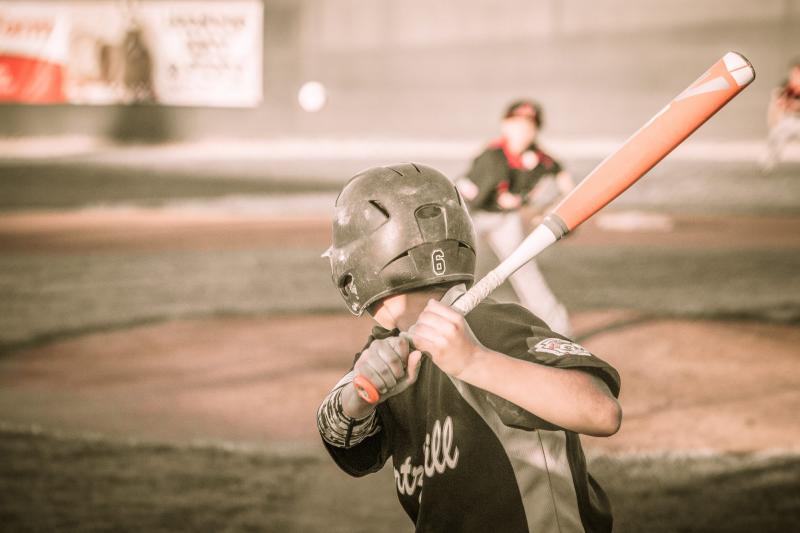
(465, 460)
(496, 170)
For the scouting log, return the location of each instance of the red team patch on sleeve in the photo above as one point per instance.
(560, 347)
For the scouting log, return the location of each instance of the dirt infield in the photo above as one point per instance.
(687, 385)
(726, 386)
(141, 229)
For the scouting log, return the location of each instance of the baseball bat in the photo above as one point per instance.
(642, 151)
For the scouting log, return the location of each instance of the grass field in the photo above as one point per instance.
(120, 289)
(58, 483)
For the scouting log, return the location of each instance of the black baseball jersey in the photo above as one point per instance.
(496, 170)
(466, 460)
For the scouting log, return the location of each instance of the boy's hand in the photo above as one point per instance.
(444, 334)
(388, 365)
(507, 200)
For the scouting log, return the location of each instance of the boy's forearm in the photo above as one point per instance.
(340, 429)
(568, 398)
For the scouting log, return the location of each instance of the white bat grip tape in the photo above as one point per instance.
(541, 237)
(478, 293)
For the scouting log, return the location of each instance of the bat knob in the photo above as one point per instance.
(366, 390)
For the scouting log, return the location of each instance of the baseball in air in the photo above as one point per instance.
(312, 96)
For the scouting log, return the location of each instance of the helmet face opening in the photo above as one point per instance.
(397, 229)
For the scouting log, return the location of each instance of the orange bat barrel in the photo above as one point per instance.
(662, 133)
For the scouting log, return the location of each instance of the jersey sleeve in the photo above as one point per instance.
(364, 458)
(486, 173)
(548, 348)
(557, 166)
(515, 332)
(550, 164)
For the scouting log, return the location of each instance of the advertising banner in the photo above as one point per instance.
(192, 53)
(33, 54)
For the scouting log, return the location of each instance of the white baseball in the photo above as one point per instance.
(312, 96)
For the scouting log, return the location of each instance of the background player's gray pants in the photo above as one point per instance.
(504, 232)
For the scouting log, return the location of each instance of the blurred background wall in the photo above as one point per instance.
(445, 68)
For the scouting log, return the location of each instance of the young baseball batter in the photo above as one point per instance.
(483, 429)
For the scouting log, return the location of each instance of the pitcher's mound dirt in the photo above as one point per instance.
(731, 386)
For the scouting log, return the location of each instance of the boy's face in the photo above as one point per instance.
(401, 310)
(519, 131)
(386, 311)
(794, 76)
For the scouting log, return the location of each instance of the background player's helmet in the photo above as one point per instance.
(396, 229)
(526, 108)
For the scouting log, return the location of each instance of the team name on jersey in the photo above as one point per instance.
(560, 347)
(439, 453)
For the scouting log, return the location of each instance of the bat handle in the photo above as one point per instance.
(545, 234)
(364, 387)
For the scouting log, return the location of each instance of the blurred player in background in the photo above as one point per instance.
(783, 116)
(511, 179)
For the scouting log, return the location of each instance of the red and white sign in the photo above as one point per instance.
(199, 53)
(33, 53)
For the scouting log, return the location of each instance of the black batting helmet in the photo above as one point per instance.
(396, 229)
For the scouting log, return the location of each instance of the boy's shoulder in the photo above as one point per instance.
(492, 152)
(507, 327)
(512, 330)
(491, 310)
(547, 161)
